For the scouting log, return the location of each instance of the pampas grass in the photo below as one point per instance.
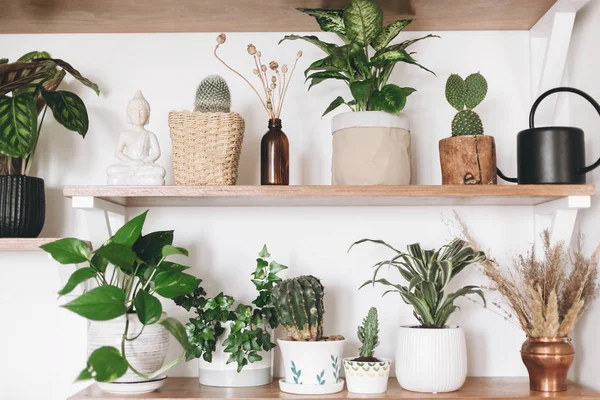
(545, 297)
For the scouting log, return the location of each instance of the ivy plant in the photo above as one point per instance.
(129, 271)
(249, 324)
(428, 272)
(365, 60)
(28, 87)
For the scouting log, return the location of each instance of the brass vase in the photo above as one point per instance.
(548, 361)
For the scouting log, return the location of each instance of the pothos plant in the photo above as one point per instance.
(428, 272)
(249, 324)
(27, 89)
(365, 60)
(129, 270)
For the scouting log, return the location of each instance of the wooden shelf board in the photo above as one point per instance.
(474, 388)
(413, 195)
(118, 16)
(24, 244)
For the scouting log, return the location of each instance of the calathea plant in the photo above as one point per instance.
(129, 270)
(27, 89)
(428, 273)
(365, 60)
(464, 96)
(249, 324)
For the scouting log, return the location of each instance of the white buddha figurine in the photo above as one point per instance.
(137, 150)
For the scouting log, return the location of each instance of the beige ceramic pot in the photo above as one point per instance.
(468, 160)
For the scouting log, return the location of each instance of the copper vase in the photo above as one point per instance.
(548, 361)
(274, 156)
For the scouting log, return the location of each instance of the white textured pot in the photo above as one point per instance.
(367, 377)
(312, 364)
(146, 354)
(431, 360)
(219, 373)
(370, 148)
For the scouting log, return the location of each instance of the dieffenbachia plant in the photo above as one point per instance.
(427, 273)
(365, 60)
(129, 270)
(27, 89)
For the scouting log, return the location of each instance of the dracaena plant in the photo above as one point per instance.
(365, 60)
(427, 274)
(249, 324)
(129, 271)
(27, 89)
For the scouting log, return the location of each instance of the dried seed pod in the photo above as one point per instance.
(259, 54)
(221, 38)
(273, 85)
(263, 68)
(284, 68)
(299, 54)
(255, 71)
(274, 65)
(273, 79)
(251, 49)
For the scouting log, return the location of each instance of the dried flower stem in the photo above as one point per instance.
(288, 84)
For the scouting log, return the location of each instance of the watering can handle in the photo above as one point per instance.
(570, 90)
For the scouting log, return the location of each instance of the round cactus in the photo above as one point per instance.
(299, 305)
(213, 95)
(476, 89)
(467, 122)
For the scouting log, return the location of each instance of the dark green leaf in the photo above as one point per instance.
(117, 254)
(3, 61)
(337, 61)
(391, 99)
(105, 364)
(99, 263)
(147, 307)
(76, 74)
(129, 233)
(388, 33)
(172, 267)
(68, 250)
(84, 375)
(68, 110)
(405, 44)
(326, 47)
(99, 304)
(328, 20)
(18, 125)
(361, 91)
(170, 250)
(77, 277)
(149, 247)
(321, 76)
(363, 20)
(33, 55)
(173, 284)
(177, 330)
(334, 104)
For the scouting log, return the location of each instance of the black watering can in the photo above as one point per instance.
(552, 154)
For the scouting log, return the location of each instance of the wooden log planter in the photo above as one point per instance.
(468, 160)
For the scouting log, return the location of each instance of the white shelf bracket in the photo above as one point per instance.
(560, 217)
(103, 217)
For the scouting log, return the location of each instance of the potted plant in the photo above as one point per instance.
(312, 361)
(234, 345)
(129, 269)
(365, 373)
(432, 356)
(469, 156)
(371, 145)
(28, 88)
(545, 297)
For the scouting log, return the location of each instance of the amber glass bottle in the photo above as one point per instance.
(274, 156)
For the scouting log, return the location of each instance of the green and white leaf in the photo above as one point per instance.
(18, 125)
(68, 110)
(326, 47)
(391, 99)
(363, 20)
(328, 20)
(389, 33)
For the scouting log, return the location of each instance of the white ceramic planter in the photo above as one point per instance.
(367, 377)
(219, 373)
(146, 354)
(312, 367)
(431, 360)
(370, 148)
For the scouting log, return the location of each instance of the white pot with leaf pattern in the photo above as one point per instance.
(312, 367)
(367, 377)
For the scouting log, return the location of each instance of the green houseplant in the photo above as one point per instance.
(427, 274)
(373, 146)
(28, 87)
(469, 156)
(220, 335)
(129, 270)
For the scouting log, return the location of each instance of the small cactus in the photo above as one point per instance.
(213, 95)
(299, 306)
(464, 95)
(368, 334)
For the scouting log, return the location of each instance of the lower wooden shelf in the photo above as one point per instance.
(474, 388)
(25, 244)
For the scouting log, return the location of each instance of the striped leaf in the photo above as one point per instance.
(18, 125)
(363, 20)
(74, 73)
(68, 110)
(16, 75)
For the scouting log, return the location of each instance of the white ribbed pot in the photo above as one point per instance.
(146, 353)
(367, 377)
(370, 148)
(431, 360)
(219, 373)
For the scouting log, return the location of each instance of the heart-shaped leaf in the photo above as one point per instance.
(174, 283)
(68, 250)
(105, 364)
(68, 110)
(149, 247)
(99, 304)
(18, 125)
(147, 307)
(363, 20)
(79, 276)
(177, 330)
(170, 250)
(131, 231)
(117, 254)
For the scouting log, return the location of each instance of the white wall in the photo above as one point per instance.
(223, 242)
(583, 67)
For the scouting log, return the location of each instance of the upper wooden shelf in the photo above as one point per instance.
(474, 388)
(166, 196)
(118, 16)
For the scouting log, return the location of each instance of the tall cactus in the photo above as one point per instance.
(464, 95)
(213, 95)
(368, 334)
(299, 306)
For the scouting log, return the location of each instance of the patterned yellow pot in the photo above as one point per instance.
(367, 377)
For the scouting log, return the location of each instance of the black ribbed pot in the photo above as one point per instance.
(22, 206)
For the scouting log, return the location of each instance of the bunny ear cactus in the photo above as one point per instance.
(368, 334)
(213, 95)
(464, 95)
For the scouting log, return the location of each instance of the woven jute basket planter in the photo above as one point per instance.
(206, 147)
